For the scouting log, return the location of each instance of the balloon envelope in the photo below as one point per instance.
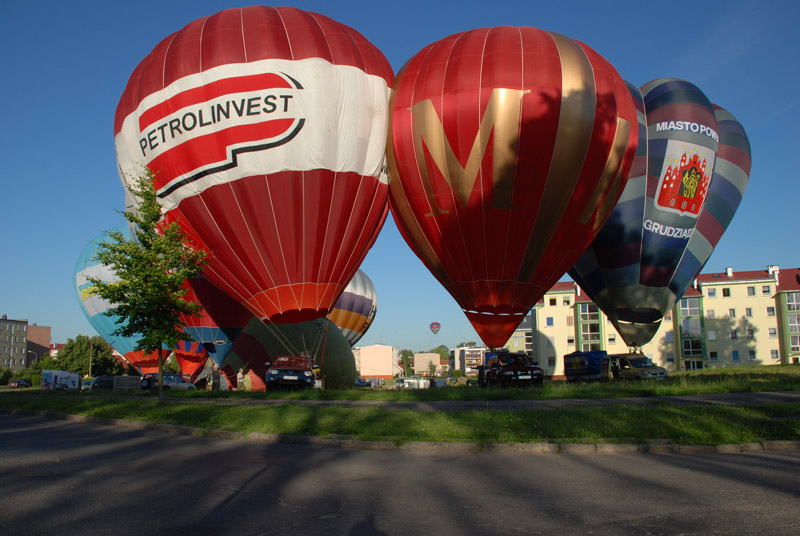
(95, 308)
(355, 310)
(508, 149)
(266, 130)
(687, 180)
(435, 327)
(320, 339)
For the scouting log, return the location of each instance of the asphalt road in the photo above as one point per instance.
(61, 477)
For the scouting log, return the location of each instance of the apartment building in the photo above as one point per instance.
(725, 319)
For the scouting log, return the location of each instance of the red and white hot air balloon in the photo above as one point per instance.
(266, 131)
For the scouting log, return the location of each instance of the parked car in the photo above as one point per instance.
(360, 382)
(505, 369)
(18, 384)
(291, 371)
(87, 385)
(400, 383)
(171, 381)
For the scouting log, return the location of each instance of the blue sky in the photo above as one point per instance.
(65, 65)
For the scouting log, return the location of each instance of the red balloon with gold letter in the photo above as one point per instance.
(508, 148)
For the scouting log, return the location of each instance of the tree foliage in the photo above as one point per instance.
(74, 357)
(151, 269)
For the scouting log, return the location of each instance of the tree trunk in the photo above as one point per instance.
(160, 377)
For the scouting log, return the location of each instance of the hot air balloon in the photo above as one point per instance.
(356, 308)
(192, 358)
(265, 129)
(688, 177)
(435, 327)
(508, 149)
(260, 343)
(95, 308)
(220, 321)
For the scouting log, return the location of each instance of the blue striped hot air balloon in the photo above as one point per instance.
(356, 308)
(688, 177)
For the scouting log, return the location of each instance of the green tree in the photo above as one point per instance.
(151, 269)
(407, 359)
(431, 369)
(75, 355)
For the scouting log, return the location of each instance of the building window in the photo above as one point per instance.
(670, 357)
(734, 334)
(551, 361)
(553, 301)
(588, 347)
(732, 313)
(751, 355)
(590, 332)
(549, 321)
(570, 321)
(565, 301)
(770, 311)
(793, 301)
(766, 290)
(712, 356)
(751, 291)
(589, 312)
(735, 355)
(692, 347)
(690, 327)
(516, 342)
(669, 336)
(794, 343)
(711, 335)
(668, 316)
(726, 293)
(774, 354)
(794, 323)
(711, 313)
(773, 333)
(612, 338)
(712, 293)
(571, 340)
(751, 333)
(748, 312)
(690, 307)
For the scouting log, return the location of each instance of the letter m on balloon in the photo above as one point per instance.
(501, 118)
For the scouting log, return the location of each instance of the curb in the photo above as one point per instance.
(453, 448)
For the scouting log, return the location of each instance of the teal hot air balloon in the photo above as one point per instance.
(688, 177)
(95, 308)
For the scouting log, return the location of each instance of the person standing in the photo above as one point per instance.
(240, 380)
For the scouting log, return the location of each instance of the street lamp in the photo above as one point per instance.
(35, 357)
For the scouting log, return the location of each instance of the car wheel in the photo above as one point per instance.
(145, 384)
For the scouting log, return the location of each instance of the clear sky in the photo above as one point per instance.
(64, 66)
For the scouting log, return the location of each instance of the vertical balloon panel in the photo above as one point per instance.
(266, 129)
(486, 186)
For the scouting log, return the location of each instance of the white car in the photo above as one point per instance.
(171, 381)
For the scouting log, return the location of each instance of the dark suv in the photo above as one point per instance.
(510, 370)
(291, 371)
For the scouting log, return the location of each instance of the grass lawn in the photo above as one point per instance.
(622, 424)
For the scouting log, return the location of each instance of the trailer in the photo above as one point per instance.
(60, 379)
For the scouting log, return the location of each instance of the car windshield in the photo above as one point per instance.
(641, 362)
(515, 359)
(291, 362)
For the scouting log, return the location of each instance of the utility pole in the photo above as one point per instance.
(90, 358)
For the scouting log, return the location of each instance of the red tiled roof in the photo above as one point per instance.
(753, 275)
(789, 280)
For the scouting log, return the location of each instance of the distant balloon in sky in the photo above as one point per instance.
(95, 308)
(435, 327)
(688, 178)
(266, 129)
(356, 308)
(508, 149)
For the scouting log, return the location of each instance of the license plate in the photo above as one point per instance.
(289, 377)
(525, 377)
